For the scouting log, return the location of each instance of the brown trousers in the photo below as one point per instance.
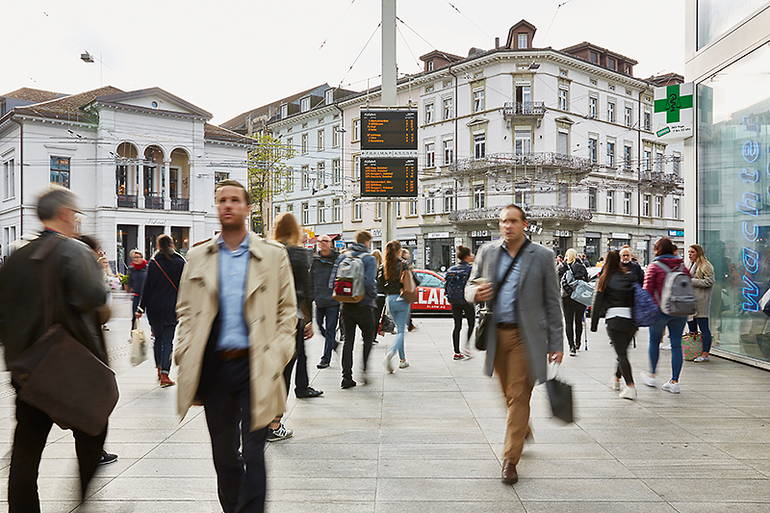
(512, 369)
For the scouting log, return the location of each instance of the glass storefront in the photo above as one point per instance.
(715, 17)
(733, 143)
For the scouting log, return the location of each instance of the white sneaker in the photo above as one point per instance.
(615, 385)
(701, 359)
(403, 364)
(389, 362)
(628, 393)
(649, 380)
(467, 353)
(670, 387)
(666, 347)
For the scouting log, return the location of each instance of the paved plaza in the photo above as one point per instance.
(429, 439)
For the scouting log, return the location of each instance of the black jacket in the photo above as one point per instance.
(320, 272)
(618, 292)
(136, 279)
(299, 258)
(635, 270)
(79, 292)
(394, 285)
(159, 295)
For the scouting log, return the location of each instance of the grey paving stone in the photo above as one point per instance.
(293, 468)
(598, 507)
(409, 451)
(475, 490)
(745, 450)
(149, 506)
(720, 507)
(322, 489)
(467, 469)
(632, 450)
(511, 506)
(598, 490)
(158, 489)
(728, 490)
(560, 468)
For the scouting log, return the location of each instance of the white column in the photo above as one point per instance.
(389, 77)
(167, 185)
(140, 192)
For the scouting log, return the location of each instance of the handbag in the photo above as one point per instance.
(583, 292)
(560, 398)
(138, 346)
(692, 346)
(58, 375)
(409, 287)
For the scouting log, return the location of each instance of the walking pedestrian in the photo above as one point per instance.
(327, 310)
(407, 257)
(75, 295)
(391, 283)
(614, 301)
(573, 310)
(518, 281)
(159, 298)
(455, 280)
(628, 263)
(703, 280)
(359, 314)
(237, 319)
(654, 279)
(137, 274)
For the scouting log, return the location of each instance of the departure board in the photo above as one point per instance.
(389, 129)
(388, 177)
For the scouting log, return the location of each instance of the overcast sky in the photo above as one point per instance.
(229, 56)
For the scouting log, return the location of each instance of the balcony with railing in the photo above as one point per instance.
(153, 200)
(523, 109)
(526, 166)
(181, 204)
(660, 181)
(127, 201)
(542, 213)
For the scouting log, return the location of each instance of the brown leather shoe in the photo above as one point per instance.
(165, 381)
(509, 476)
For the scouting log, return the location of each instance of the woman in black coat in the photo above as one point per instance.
(573, 310)
(159, 302)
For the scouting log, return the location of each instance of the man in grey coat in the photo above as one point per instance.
(517, 280)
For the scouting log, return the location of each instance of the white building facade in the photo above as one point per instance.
(142, 163)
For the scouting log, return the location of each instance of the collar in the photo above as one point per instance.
(244, 245)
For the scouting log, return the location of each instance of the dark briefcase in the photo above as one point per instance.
(560, 397)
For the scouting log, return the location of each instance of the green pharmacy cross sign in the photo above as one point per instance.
(673, 103)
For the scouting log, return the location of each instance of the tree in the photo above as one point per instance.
(269, 176)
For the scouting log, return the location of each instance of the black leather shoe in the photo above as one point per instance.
(348, 383)
(509, 475)
(308, 393)
(322, 364)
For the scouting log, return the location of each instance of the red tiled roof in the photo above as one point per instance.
(239, 121)
(222, 134)
(68, 107)
(32, 95)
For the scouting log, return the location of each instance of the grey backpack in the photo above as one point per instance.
(349, 282)
(677, 298)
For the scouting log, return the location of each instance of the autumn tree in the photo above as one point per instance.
(269, 176)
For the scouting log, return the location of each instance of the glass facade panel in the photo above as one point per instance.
(715, 17)
(733, 142)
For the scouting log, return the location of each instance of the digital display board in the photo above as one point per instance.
(388, 177)
(389, 129)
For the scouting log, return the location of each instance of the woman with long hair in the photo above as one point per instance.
(159, 302)
(456, 279)
(614, 300)
(573, 310)
(390, 280)
(703, 281)
(377, 254)
(654, 280)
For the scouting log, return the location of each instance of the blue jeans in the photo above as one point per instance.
(327, 317)
(702, 324)
(675, 329)
(400, 310)
(164, 345)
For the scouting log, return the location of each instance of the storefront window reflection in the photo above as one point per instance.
(715, 17)
(733, 143)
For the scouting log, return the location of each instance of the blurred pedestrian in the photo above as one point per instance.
(703, 280)
(137, 274)
(380, 303)
(326, 308)
(159, 298)
(574, 311)
(454, 285)
(391, 283)
(633, 268)
(406, 255)
(237, 320)
(79, 294)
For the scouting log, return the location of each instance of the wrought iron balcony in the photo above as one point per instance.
(542, 213)
(561, 167)
(523, 109)
(660, 181)
(127, 200)
(182, 204)
(153, 200)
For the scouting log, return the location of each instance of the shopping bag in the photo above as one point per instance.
(583, 293)
(692, 346)
(138, 347)
(560, 397)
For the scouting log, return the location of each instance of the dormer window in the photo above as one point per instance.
(284, 111)
(430, 65)
(304, 104)
(521, 41)
(594, 57)
(329, 96)
(612, 63)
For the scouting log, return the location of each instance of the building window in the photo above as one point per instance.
(563, 195)
(60, 171)
(276, 211)
(479, 100)
(430, 65)
(522, 144)
(356, 167)
(290, 181)
(304, 104)
(659, 206)
(320, 175)
(563, 98)
(289, 145)
(612, 63)
(610, 202)
(356, 129)
(611, 111)
(449, 151)
(592, 199)
(321, 136)
(305, 213)
(378, 211)
(647, 120)
(336, 172)
(593, 150)
(593, 57)
(284, 111)
(628, 116)
(479, 145)
(398, 209)
(628, 155)
(430, 155)
(329, 96)
(430, 203)
(304, 147)
(660, 162)
(593, 107)
(290, 208)
(412, 207)
(335, 136)
(677, 164)
(447, 109)
(627, 203)
(647, 160)
(321, 212)
(646, 205)
(677, 213)
(429, 112)
(479, 196)
(521, 40)
(449, 200)
(9, 179)
(305, 183)
(336, 210)
(611, 153)
(562, 143)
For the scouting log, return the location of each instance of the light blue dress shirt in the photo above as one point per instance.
(505, 304)
(233, 268)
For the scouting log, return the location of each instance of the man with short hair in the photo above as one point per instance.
(627, 262)
(237, 319)
(517, 280)
(359, 314)
(327, 309)
(78, 298)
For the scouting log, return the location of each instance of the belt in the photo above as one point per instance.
(232, 354)
(507, 325)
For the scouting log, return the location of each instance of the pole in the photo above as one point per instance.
(388, 97)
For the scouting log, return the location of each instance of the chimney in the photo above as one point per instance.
(497, 42)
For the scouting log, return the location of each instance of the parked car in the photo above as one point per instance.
(430, 293)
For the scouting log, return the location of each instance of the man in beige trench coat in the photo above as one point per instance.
(237, 316)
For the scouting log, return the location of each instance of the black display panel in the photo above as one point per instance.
(388, 177)
(388, 129)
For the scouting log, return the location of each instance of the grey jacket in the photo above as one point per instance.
(703, 287)
(538, 303)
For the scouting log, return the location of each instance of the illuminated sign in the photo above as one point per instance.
(749, 206)
(388, 177)
(389, 129)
